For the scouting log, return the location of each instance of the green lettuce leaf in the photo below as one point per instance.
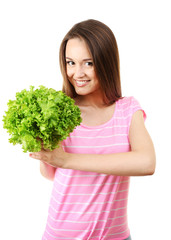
(40, 115)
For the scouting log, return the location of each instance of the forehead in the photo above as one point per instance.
(77, 48)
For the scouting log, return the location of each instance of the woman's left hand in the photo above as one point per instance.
(54, 158)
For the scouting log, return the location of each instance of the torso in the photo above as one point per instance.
(78, 194)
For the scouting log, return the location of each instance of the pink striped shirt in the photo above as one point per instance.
(88, 205)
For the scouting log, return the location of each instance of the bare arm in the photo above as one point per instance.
(139, 161)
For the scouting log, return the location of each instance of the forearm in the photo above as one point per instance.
(121, 164)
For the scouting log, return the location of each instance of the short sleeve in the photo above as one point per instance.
(134, 106)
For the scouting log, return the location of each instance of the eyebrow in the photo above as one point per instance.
(84, 60)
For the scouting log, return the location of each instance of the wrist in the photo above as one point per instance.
(65, 160)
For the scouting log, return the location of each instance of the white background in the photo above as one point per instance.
(31, 33)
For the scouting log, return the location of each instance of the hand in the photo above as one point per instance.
(54, 158)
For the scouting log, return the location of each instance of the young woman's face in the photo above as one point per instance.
(80, 68)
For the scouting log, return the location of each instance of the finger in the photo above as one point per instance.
(35, 155)
(39, 155)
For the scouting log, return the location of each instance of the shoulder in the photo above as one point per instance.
(127, 101)
(130, 110)
(130, 105)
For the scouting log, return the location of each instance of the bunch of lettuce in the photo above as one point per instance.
(41, 115)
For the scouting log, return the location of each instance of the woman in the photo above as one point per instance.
(92, 167)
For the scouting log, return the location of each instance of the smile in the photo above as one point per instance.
(82, 83)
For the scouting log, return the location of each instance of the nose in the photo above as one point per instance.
(79, 72)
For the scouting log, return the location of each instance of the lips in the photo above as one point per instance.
(82, 83)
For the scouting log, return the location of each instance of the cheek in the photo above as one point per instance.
(69, 72)
(95, 78)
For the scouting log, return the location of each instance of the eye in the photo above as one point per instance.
(70, 63)
(89, 63)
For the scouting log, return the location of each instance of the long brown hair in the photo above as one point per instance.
(104, 50)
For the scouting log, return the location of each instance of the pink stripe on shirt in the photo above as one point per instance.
(88, 205)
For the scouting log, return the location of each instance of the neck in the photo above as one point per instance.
(93, 100)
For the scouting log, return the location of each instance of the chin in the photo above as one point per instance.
(83, 92)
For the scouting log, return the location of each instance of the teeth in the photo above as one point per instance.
(81, 82)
